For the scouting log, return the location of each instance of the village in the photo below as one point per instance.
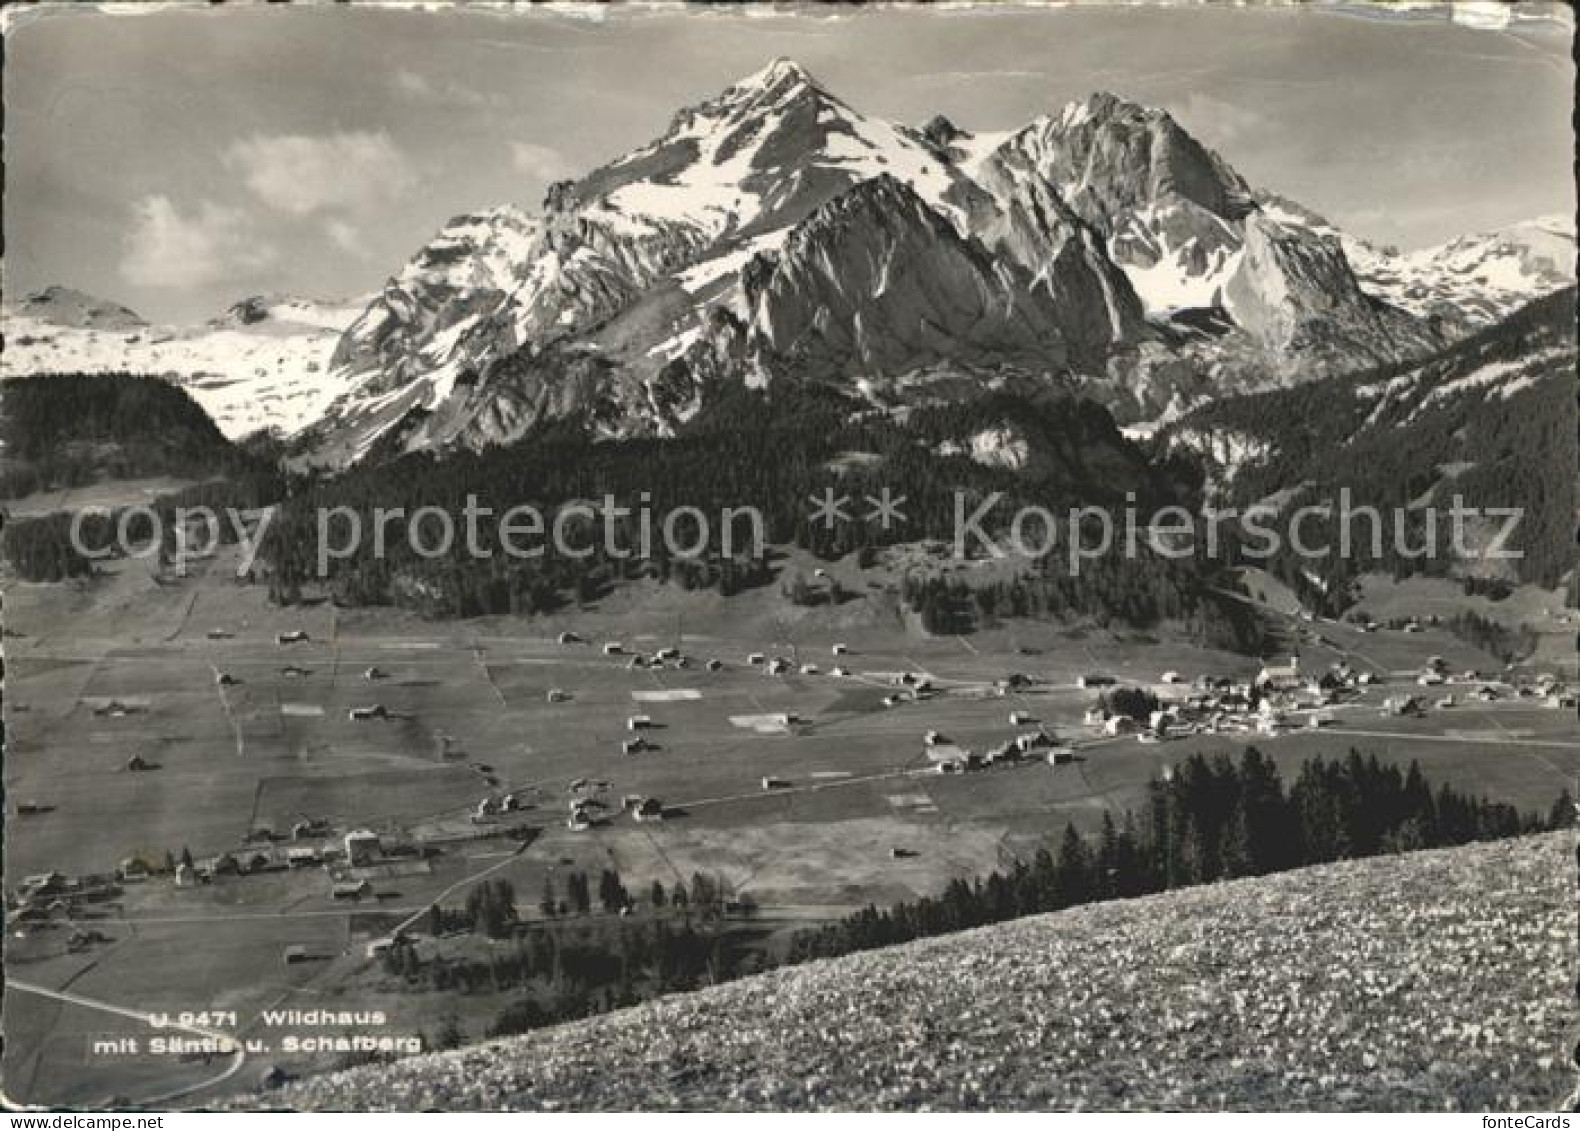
(358, 864)
(297, 790)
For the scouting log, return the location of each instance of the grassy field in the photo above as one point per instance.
(1425, 982)
(471, 716)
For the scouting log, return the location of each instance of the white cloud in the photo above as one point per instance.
(1215, 121)
(539, 161)
(347, 237)
(301, 175)
(413, 85)
(167, 248)
(420, 88)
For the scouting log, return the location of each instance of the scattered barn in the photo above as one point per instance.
(351, 889)
(362, 847)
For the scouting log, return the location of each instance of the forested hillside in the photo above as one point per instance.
(748, 449)
(70, 429)
(1492, 420)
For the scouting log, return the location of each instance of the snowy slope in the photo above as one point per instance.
(264, 364)
(1469, 281)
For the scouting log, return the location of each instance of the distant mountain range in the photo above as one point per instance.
(263, 364)
(774, 233)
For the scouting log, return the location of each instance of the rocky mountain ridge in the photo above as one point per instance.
(774, 233)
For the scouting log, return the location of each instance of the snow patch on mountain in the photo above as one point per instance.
(264, 364)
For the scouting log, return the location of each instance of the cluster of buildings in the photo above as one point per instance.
(1279, 697)
(948, 757)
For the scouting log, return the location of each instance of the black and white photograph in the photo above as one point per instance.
(651, 557)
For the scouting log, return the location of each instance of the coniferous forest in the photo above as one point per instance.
(1210, 819)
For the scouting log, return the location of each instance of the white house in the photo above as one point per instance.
(1280, 675)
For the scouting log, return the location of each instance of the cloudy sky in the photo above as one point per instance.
(177, 160)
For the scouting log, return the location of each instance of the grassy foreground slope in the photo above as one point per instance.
(1429, 981)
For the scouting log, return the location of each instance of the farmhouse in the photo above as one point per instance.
(137, 764)
(1092, 679)
(296, 636)
(1060, 755)
(649, 809)
(362, 847)
(612, 648)
(375, 673)
(715, 665)
(557, 695)
(570, 638)
(221, 865)
(1118, 724)
(364, 714)
(1279, 677)
(840, 650)
(756, 658)
(306, 857)
(1401, 705)
(633, 745)
(351, 889)
(638, 722)
(132, 869)
(1003, 752)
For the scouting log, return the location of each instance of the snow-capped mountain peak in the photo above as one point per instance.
(774, 232)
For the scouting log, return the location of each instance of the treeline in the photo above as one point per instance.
(1140, 591)
(746, 450)
(1494, 445)
(70, 429)
(1211, 819)
(42, 547)
(1507, 644)
(666, 940)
